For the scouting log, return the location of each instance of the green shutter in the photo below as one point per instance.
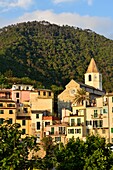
(111, 130)
(78, 121)
(52, 130)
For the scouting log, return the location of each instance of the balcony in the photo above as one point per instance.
(23, 114)
(58, 133)
(99, 116)
(77, 124)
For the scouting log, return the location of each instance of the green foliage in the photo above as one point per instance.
(71, 156)
(47, 144)
(15, 150)
(53, 54)
(93, 154)
(47, 163)
(81, 96)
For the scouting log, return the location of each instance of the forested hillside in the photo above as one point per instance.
(53, 54)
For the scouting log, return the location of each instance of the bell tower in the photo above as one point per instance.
(92, 76)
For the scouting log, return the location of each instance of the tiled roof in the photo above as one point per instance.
(92, 68)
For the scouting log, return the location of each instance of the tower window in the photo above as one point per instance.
(89, 77)
(17, 95)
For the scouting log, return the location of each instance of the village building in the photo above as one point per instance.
(93, 86)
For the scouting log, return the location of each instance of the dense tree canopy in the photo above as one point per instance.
(18, 153)
(53, 54)
(15, 151)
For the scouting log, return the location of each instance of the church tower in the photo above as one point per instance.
(92, 76)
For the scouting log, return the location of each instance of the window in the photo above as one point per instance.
(72, 122)
(111, 130)
(70, 131)
(112, 109)
(10, 111)
(17, 95)
(10, 105)
(37, 116)
(90, 122)
(61, 130)
(10, 121)
(103, 131)
(38, 125)
(44, 93)
(27, 88)
(49, 93)
(78, 130)
(100, 123)
(104, 110)
(23, 131)
(1, 111)
(18, 101)
(95, 113)
(95, 123)
(1, 120)
(38, 93)
(89, 77)
(52, 130)
(57, 139)
(47, 123)
(25, 110)
(78, 121)
(87, 123)
(112, 99)
(1, 104)
(23, 122)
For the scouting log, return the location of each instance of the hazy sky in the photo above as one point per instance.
(96, 15)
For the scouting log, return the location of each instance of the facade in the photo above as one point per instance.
(23, 117)
(42, 99)
(93, 86)
(57, 132)
(28, 107)
(7, 111)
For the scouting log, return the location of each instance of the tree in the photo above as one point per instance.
(16, 152)
(47, 162)
(93, 154)
(71, 156)
(98, 155)
(81, 96)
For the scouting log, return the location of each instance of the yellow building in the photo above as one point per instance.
(42, 99)
(23, 117)
(7, 111)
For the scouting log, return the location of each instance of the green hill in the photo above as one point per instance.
(53, 54)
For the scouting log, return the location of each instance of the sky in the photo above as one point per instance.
(96, 15)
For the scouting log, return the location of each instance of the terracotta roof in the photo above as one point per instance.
(92, 68)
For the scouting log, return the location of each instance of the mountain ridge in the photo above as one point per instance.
(52, 54)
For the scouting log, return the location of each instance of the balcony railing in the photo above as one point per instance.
(58, 133)
(77, 124)
(99, 116)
